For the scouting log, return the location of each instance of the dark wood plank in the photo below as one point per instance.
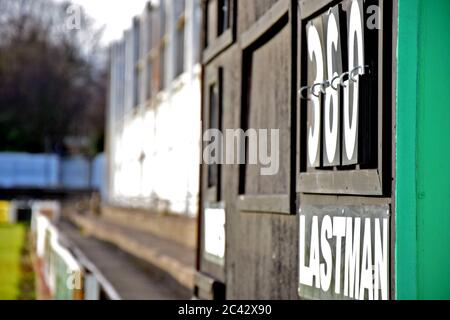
(360, 182)
(264, 204)
(264, 23)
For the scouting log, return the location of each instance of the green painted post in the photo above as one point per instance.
(423, 150)
(433, 151)
(406, 238)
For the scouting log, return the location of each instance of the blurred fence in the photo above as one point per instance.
(59, 274)
(62, 271)
(49, 171)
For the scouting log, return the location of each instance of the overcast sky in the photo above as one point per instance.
(115, 15)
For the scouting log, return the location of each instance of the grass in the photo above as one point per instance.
(12, 242)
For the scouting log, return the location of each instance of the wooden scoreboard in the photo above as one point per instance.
(320, 72)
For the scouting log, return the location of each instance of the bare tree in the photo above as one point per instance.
(52, 78)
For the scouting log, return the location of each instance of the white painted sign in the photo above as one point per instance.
(331, 90)
(214, 231)
(344, 252)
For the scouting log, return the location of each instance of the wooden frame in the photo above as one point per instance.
(210, 197)
(208, 288)
(390, 20)
(270, 24)
(264, 204)
(385, 173)
(220, 42)
(213, 78)
(372, 181)
(256, 231)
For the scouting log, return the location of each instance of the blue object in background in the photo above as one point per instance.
(49, 171)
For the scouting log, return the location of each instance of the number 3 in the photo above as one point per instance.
(315, 53)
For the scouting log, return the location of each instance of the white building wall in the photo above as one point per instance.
(155, 158)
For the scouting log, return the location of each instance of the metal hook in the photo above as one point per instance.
(313, 92)
(352, 73)
(341, 79)
(301, 93)
(333, 80)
